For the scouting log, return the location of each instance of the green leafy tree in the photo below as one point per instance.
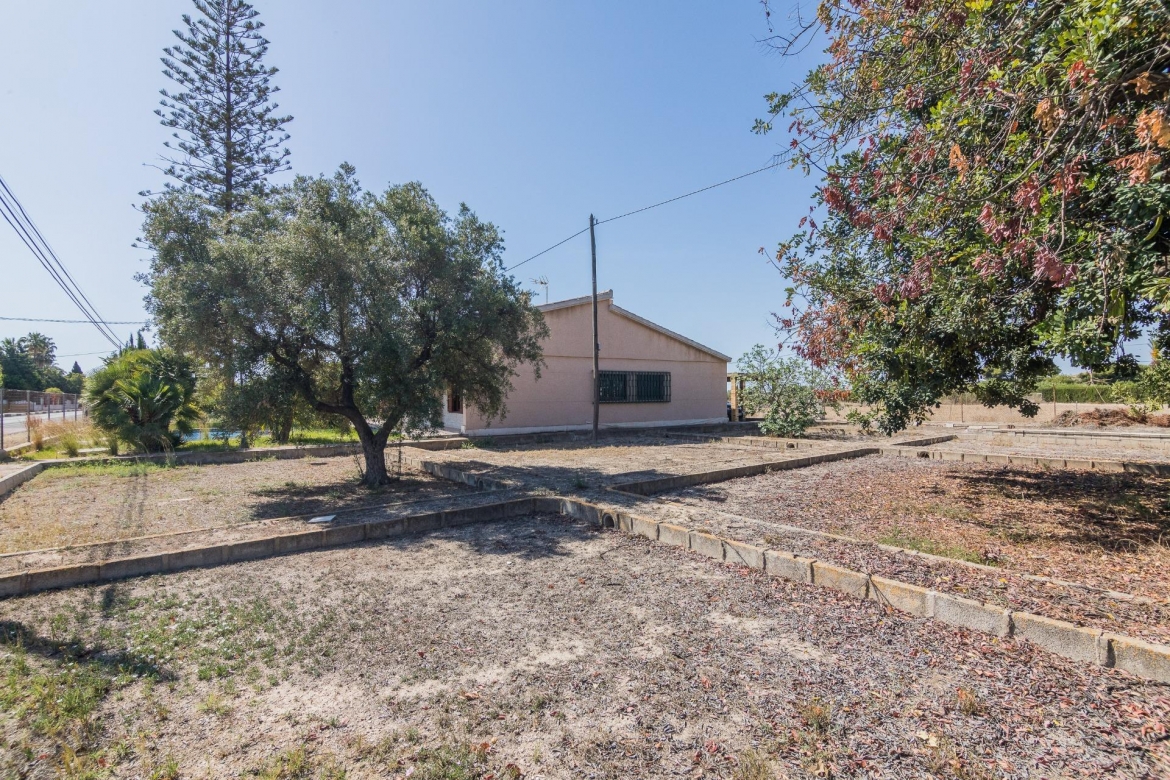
(261, 400)
(144, 398)
(994, 193)
(20, 373)
(367, 306)
(790, 392)
(228, 136)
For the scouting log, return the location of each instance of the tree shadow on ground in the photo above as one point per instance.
(1109, 510)
(17, 635)
(527, 538)
(295, 498)
(559, 477)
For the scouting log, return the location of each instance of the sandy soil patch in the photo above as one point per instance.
(545, 648)
(93, 503)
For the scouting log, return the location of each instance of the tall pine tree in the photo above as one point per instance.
(228, 136)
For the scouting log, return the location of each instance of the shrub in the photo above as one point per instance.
(144, 397)
(36, 433)
(69, 444)
(791, 393)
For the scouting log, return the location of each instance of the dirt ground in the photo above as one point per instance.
(538, 648)
(1108, 531)
(578, 465)
(94, 503)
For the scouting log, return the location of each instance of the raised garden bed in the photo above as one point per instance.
(1107, 530)
(543, 645)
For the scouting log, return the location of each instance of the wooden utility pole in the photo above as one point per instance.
(596, 343)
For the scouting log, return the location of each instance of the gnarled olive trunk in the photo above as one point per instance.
(374, 451)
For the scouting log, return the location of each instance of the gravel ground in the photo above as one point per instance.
(1103, 451)
(580, 465)
(1104, 530)
(95, 503)
(544, 648)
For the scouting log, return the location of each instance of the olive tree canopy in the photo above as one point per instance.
(367, 306)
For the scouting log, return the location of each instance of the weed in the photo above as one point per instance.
(817, 715)
(36, 433)
(580, 484)
(214, 704)
(969, 702)
(54, 701)
(293, 764)
(69, 444)
(121, 750)
(943, 758)
(449, 763)
(413, 736)
(753, 766)
(169, 770)
(899, 538)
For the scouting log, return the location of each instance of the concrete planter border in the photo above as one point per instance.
(16, 479)
(649, 487)
(1086, 645)
(1077, 643)
(1154, 469)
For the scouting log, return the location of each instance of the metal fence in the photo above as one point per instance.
(21, 411)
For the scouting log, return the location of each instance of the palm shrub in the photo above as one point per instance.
(145, 398)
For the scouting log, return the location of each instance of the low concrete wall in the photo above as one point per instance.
(36, 580)
(1075, 436)
(748, 441)
(1077, 643)
(15, 480)
(1156, 469)
(197, 458)
(651, 486)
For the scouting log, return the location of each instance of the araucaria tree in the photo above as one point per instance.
(995, 193)
(366, 306)
(228, 136)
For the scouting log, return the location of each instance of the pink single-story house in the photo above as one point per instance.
(650, 376)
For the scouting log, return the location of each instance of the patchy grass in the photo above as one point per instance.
(898, 537)
(88, 502)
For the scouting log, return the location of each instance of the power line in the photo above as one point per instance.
(551, 248)
(74, 322)
(773, 164)
(36, 243)
(779, 160)
(21, 232)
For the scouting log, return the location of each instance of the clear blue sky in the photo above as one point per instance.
(533, 113)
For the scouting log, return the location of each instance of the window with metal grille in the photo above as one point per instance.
(634, 387)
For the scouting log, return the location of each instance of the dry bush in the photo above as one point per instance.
(68, 436)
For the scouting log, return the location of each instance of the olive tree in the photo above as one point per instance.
(366, 306)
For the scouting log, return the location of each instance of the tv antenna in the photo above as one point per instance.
(542, 281)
